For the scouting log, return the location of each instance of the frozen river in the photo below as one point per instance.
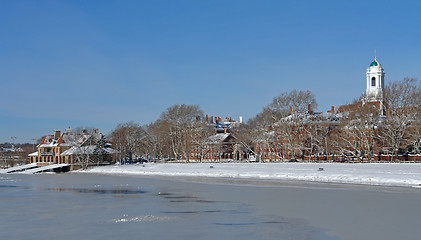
(89, 206)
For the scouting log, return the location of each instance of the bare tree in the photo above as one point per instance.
(415, 146)
(312, 137)
(402, 102)
(180, 120)
(248, 135)
(285, 117)
(129, 139)
(290, 131)
(326, 131)
(83, 143)
(157, 143)
(199, 137)
(357, 134)
(298, 101)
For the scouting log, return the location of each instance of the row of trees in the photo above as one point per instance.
(361, 132)
(172, 136)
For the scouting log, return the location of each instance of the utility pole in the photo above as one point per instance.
(13, 142)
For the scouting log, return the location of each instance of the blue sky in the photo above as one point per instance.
(100, 63)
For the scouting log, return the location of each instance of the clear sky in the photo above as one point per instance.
(100, 63)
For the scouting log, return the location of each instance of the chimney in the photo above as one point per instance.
(197, 118)
(309, 110)
(332, 110)
(211, 119)
(207, 118)
(216, 119)
(57, 134)
(219, 119)
(241, 119)
(290, 110)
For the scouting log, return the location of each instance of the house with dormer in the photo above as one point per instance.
(65, 148)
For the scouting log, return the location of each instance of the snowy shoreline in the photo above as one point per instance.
(384, 174)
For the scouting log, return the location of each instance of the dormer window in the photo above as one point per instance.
(373, 81)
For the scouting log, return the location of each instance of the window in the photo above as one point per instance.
(373, 81)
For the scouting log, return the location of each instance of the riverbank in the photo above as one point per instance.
(384, 174)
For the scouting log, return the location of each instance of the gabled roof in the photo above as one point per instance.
(219, 138)
(67, 139)
(88, 150)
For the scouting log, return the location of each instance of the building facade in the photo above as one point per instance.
(64, 148)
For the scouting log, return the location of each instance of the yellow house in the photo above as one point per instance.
(60, 148)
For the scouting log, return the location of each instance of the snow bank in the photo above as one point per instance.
(391, 174)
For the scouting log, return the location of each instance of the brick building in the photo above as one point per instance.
(312, 136)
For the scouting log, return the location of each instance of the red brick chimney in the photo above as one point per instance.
(332, 110)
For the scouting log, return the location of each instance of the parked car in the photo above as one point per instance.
(140, 160)
(252, 158)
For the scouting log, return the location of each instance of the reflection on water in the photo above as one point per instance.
(99, 191)
(235, 224)
(190, 212)
(183, 198)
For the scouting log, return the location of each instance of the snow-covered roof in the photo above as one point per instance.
(12, 149)
(218, 138)
(88, 150)
(34, 154)
(68, 139)
(309, 118)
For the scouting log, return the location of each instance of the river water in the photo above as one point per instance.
(88, 206)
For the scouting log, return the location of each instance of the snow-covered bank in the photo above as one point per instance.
(390, 174)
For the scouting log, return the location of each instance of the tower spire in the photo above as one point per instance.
(375, 55)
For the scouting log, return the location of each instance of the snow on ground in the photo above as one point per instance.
(390, 174)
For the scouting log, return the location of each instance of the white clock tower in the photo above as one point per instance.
(375, 85)
(375, 82)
